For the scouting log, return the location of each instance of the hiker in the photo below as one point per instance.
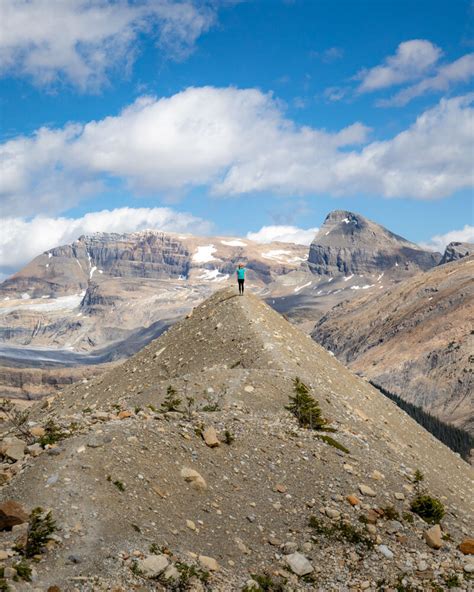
(241, 277)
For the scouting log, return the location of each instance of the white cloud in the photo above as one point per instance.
(411, 60)
(81, 40)
(440, 241)
(285, 234)
(461, 70)
(233, 142)
(21, 240)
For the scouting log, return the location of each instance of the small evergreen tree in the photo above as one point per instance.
(172, 402)
(305, 408)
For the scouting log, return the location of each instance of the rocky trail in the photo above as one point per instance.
(182, 469)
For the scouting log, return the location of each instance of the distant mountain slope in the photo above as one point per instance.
(455, 251)
(351, 244)
(414, 339)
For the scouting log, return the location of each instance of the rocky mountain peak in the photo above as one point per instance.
(457, 250)
(348, 243)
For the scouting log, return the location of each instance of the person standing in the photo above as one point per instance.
(241, 278)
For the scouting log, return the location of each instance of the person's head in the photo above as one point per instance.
(241, 265)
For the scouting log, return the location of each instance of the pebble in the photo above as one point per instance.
(366, 490)
(385, 551)
(208, 563)
(298, 564)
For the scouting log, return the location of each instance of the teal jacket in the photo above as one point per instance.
(241, 273)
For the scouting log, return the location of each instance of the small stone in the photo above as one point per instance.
(280, 488)
(194, 478)
(298, 564)
(210, 437)
(399, 496)
(377, 475)
(208, 563)
(249, 388)
(12, 513)
(158, 490)
(349, 468)
(191, 525)
(433, 537)
(289, 548)
(13, 448)
(9, 573)
(467, 546)
(153, 565)
(469, 568)
(353, 500)
(385, 551)
(3, 555)
(366, 490)
(371, 528)
(37, 431)
(331, 513)
(372, 516)
(124, 414)
(393, 526)
(170, 573)
(422, 566)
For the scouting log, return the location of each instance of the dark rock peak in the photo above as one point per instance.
(457, 250)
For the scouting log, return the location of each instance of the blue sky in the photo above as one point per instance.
(226, 117)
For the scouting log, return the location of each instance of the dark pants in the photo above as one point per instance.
(241, 286)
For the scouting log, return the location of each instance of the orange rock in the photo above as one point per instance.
(11, 513)
(467, 547)
(353, 500)
(280, 488)
(124, 414)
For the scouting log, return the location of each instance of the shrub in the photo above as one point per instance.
(228, 437)
(23, 570)
(390, 513)
(305, 408)
(40, 528)
(265, 583)
(333, 442)
(172, 402)
(53, 434)
(18, 419)
(341, 531)
(427, 507)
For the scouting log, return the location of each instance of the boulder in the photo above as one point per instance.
(194, 478)
(467, 546)
(153, 565)
(210, 437)
(433, 537)
(13, 448)
(12, 513)
(299, 564)
(208, 563)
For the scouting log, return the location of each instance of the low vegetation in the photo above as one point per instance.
(305, 407)
(41, 527)
(18, 419)
(332, 442)
(424, 505)
(341, 531)
(265, 583)
(171, 402)
(53, 434)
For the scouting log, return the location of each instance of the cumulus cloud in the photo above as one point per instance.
(81, 40)
(21, 240)
(461, 70)
(285, 234)
(440, 241)
(411, 60)
(233, 142)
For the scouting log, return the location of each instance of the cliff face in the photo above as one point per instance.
(455, 251)
(414, 339)
(351, 244)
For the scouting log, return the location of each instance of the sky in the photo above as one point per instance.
(253, 118)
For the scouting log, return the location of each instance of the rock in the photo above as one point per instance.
(210, 437)
(422, 566)
(331, 513)
(399, 496)
(153, 565)
(366, 490)
(467, 546)
(299, 564)
(433, 537)
(469, 568)
(3, 555)
(393, 526)
(377, 475)
(170, 573)
(289, 548)
(191, 525)
(35, 449)
(9, 573)
(385, 551)
(280, 488)
(208, 563)
(248, 388)
(353, 500)
(372, 516)
(13, 448)
(194, 478)
(124, 414)
(37, 431)
(11, 513)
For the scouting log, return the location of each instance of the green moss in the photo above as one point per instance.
(427, 507)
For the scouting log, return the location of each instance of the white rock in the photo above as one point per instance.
(299, 564)
(366, 490)
(208, 563)
(385, 551)
(153, 565)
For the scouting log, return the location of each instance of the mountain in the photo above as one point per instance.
(414, 340)
(104, 296)
(224, 488)
(455, 251)
(348, 243)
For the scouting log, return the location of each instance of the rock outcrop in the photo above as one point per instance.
(348, 243)
(135, 492)
(455, 251)
(414, 339)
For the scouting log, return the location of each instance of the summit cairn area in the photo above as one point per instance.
(188, 467)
